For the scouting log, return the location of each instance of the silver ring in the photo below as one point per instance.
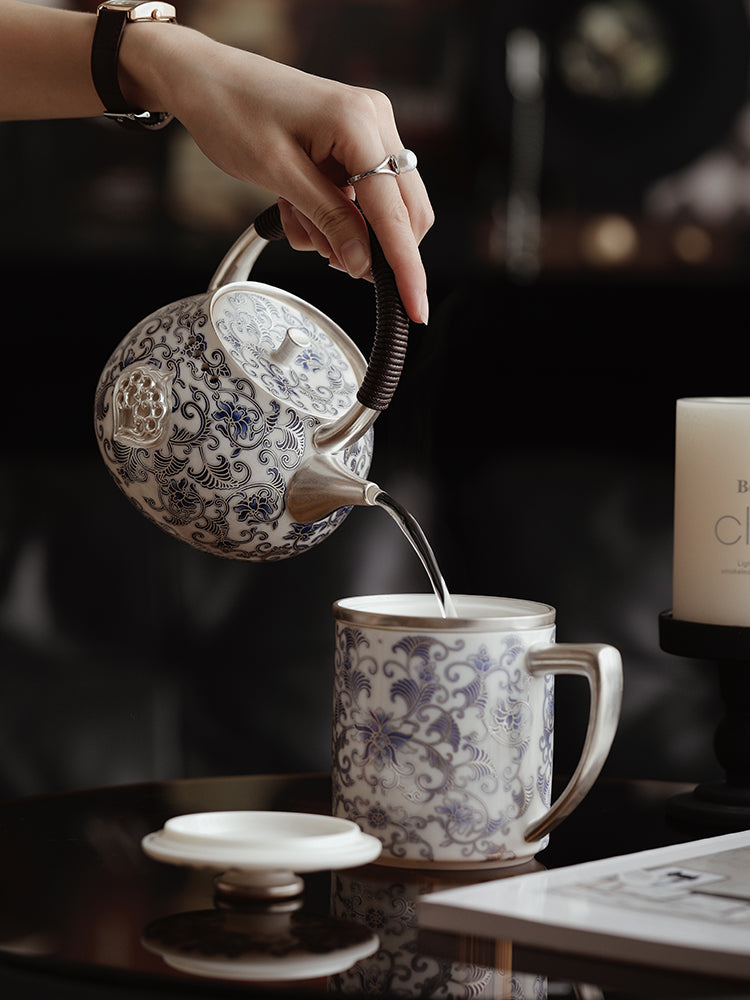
(394, 164)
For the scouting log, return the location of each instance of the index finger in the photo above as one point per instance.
(399, 213)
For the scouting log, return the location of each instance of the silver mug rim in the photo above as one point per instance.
(510, 613)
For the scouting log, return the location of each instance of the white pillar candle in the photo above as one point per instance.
(711, 571)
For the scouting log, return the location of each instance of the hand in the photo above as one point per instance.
(300, 137)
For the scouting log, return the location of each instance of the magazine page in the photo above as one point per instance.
(685, 907)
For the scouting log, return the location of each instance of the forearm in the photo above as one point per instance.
(44, 63)
(45, 60)
(296, 135)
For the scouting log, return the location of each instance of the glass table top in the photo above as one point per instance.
(82, 903)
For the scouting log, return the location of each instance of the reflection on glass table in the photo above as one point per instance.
(83, 906)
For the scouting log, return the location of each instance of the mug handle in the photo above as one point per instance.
(601, 665)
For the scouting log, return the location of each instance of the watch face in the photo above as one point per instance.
(158, 11)
(121, 4)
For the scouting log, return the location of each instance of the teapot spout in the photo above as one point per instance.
(322, 486)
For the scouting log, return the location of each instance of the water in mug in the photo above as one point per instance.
(410, 527)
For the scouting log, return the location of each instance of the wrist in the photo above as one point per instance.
(115, 21)
(170, 67)
(145, 51)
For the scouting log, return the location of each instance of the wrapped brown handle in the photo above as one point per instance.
(391, 322)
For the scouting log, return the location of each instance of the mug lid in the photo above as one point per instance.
(421, 611)
(253, 840)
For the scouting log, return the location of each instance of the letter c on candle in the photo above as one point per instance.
(717, 530)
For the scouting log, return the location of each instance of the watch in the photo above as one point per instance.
(111, 19)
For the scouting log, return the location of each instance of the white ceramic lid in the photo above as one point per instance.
(251, 840)
(239, 946)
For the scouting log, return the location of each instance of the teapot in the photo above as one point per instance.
(240, 420)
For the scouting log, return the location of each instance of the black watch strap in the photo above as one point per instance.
(111, 21)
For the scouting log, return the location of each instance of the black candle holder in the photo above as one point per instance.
(725, 805)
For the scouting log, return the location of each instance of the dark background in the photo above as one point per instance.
(533, 431)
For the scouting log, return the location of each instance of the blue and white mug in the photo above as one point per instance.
(443, 727)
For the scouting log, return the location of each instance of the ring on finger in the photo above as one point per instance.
(394, 164)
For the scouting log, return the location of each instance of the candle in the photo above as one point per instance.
(711, 570)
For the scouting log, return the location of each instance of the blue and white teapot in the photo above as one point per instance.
(240, 420)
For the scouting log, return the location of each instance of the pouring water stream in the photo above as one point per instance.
(416, 536)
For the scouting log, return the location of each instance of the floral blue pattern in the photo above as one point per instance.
(402, 966)
(215, 473)
(454, 738)
(250, 330)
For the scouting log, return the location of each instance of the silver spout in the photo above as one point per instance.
(345, 430)
(323, 485)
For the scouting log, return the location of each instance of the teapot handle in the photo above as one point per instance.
(391, 322)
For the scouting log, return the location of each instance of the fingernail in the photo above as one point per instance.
(424, 310)
(356, 258)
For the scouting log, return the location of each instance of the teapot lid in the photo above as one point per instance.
(287, 347)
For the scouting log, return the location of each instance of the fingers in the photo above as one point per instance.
(397, 207)
(386, 201)
(301, 233)
(357, 132)
(353, 255)
(324, 218)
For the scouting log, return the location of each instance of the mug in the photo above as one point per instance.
(443, 727)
